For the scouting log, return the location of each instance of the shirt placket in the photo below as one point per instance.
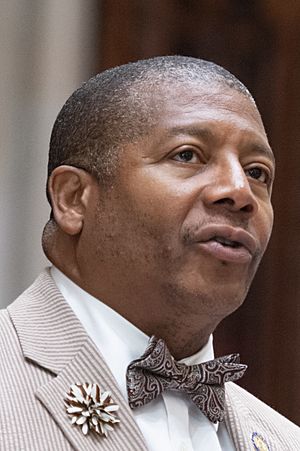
(178, 422)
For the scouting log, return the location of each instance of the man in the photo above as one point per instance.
(160, 180)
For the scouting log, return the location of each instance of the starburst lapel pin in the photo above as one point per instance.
(91, 409)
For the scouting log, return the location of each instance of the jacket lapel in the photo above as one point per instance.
(52, 337)
(244, 424)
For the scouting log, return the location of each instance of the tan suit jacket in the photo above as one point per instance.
(44, 349)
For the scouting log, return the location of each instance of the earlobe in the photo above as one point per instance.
(69, 189)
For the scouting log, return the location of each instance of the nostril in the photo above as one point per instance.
(247, 208)
(224, 200)
(227, 201)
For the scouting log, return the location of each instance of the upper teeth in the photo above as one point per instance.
(226, 242)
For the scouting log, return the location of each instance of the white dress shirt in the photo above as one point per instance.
(169, 423)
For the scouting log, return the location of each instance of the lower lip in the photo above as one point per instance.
(226, 253)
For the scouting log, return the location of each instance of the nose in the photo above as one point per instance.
(229, 188)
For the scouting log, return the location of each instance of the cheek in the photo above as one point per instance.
(127, 229)
(145, 215)
(158, 209)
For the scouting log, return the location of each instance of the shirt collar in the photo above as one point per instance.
(118, 340)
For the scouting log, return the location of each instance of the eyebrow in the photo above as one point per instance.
(263, 150)
(198, 132)
(206, 133)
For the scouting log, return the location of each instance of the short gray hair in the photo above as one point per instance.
(118, 106)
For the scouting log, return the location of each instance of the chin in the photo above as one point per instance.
(216, 299)
(225, 302)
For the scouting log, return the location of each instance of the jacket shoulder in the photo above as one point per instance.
(8, 336)
(257, 420)
(25, 424)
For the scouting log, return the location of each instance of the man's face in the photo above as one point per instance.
(188, 216)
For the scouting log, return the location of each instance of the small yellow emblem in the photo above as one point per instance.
(259, 442)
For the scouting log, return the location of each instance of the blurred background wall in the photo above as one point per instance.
(48, 47)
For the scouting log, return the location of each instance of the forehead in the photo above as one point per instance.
(214, 102)
(209, 111)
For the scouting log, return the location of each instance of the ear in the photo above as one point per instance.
(70, 189)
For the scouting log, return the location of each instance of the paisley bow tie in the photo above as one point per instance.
(157, 370)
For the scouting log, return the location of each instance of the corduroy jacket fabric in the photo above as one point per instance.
(44, 349)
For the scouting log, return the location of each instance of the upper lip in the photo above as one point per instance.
(236, 234)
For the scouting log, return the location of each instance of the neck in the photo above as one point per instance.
(184, 324)
(183, 344)
(184, 332)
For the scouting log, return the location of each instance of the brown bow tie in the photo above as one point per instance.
(157, 370)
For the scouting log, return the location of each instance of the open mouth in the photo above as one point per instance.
(226, 242)
(226, 250)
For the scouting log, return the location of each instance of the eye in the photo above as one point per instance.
(258, 173)
(187, 156)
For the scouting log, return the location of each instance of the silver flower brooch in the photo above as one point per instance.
(90, 409)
